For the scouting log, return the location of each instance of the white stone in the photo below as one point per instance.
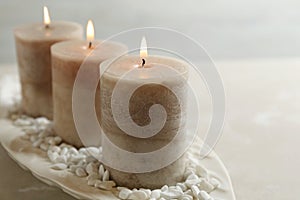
(80, 172)
(195, 190)
(101, 171)
(105, 176)
(206, 186)
(55, 149)
(37, 143)
(215, 182)
(124, 193)
(164, 188)
(91, 168)
(148, 191)
(171, 193)
(22, 122)
(138, 195)
(57, 140)
(186, 197)
(155, 194)
(52, 156)
(105, 185)
(59, 166)
(205, 195)
(182, 186)
(191, 182)
(44, 146)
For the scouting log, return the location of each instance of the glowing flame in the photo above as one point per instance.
(143, 49)
(90, 31)
(47, 19)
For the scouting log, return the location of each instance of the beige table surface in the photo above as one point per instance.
(260, 144)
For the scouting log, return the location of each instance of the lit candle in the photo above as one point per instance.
(67, 58)
(33, 42)
(127, 122)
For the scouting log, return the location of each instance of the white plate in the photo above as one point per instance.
(36, 161)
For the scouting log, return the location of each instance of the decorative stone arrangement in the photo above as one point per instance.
(83, 163)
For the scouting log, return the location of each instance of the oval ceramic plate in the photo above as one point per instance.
(36, 161)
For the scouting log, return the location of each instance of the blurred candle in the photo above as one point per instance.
(33, 42)
(67, 58)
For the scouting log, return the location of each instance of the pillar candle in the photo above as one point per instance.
(33, 42)
(145, 73)
(67, 58)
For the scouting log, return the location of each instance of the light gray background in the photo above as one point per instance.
(228, 29)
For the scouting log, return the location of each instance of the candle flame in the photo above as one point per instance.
(47, 19)
(90, 31)
(143, 49)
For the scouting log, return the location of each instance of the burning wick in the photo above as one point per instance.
(143, 62)
(143, 51)
(47, 19)
(90, 33)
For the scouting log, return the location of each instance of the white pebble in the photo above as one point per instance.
(61, 159)
(80, 172)
(155, 194)
(148, 191)
(215, 182)
(52, 156)
(186, 197)
(57, 140)
(138, 195)
(73, 168)
(30, 130)
(90, 159)
(105, 176)
(76, 158)
(55, 149)
(73, 151)
(189, 192)
(206, 186)
(37, 143)
(171, 193)
(192, 177)
(59, 166)
(182, 186)
(92, 182)
(195, 190)
(44, 134)
(42, 121)
(164, 188)
(22, 122)
(205, 195)
(64, 151)
(124, 193)
(93, 151)
(101, 171)
(91, 168)
(106, 185)
(44, 146)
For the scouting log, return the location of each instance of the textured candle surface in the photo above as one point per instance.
(155, 86)
(33, 42)
(67, 58)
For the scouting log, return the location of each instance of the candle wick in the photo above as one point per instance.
(47, 26)
(143, 62)
(90, 44)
